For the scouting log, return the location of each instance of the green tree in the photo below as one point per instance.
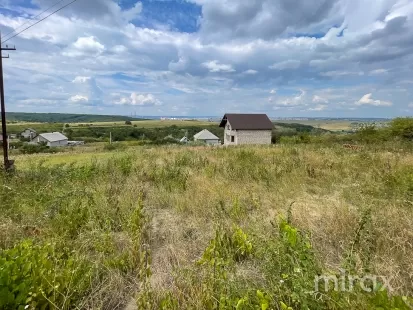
(402, 127)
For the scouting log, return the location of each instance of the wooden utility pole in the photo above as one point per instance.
(8, 164)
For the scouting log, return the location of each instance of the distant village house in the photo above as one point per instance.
(53, 139)
(207, 137)
(246, 129)
(28, 133)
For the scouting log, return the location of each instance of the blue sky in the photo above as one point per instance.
(325, 58)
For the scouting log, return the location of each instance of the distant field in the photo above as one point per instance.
(62, 117)
(50, 127)
(149, 123)
(332, 125)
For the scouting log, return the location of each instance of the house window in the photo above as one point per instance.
(232, 138)
(228, 127)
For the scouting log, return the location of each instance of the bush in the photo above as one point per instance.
(38, 148)
(402, 127)
(128, 123)
(113, 146)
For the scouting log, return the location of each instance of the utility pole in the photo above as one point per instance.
(8, 164)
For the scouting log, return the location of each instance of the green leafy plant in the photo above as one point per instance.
(40, 277)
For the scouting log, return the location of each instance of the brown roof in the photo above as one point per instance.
(247, 121)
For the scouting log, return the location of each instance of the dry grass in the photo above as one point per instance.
(188, 192)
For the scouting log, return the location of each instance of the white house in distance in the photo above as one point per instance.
(247, 129)
(51, 139)
(28, 133)
(207, 137)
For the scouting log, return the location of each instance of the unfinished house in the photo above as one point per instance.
(247, 129)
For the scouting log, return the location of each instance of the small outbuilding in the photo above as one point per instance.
(28, 133)
(207, 137)
(247, 129)
(53, 139)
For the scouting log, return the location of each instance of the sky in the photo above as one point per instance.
(286, 58)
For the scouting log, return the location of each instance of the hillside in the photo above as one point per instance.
(62, 118)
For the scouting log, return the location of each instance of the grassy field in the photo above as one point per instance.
(333, 125)
(20, 126)
(150, 123)
(206, 228)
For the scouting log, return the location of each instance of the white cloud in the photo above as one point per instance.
(123, 57)
(85, 46)
(251, 72)
(133, 12)
(143, 100)
(378, 72)
(367, 100)
(318, 99)
(79, 98)
(285, 65)
(215, 66)
(341, 73)
(410, 105)
(119, 49)
(178, 66)
(273, 91)
(81, 79)
(34, 101)
(292, 101)
(318, 107)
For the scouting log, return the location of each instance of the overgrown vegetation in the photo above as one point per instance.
(174, 227)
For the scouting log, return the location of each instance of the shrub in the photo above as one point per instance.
(402, 127)
(38, 148)
(128, 123)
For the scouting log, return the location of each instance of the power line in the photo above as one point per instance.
(58, 2)
(39, 21)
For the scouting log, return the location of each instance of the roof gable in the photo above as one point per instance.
(205, 135)
(247, 121)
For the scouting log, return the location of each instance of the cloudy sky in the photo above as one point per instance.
(338, 58)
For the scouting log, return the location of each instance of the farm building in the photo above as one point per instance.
(207, 137)
(28, 133)
(51, 139)
(246, 129)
